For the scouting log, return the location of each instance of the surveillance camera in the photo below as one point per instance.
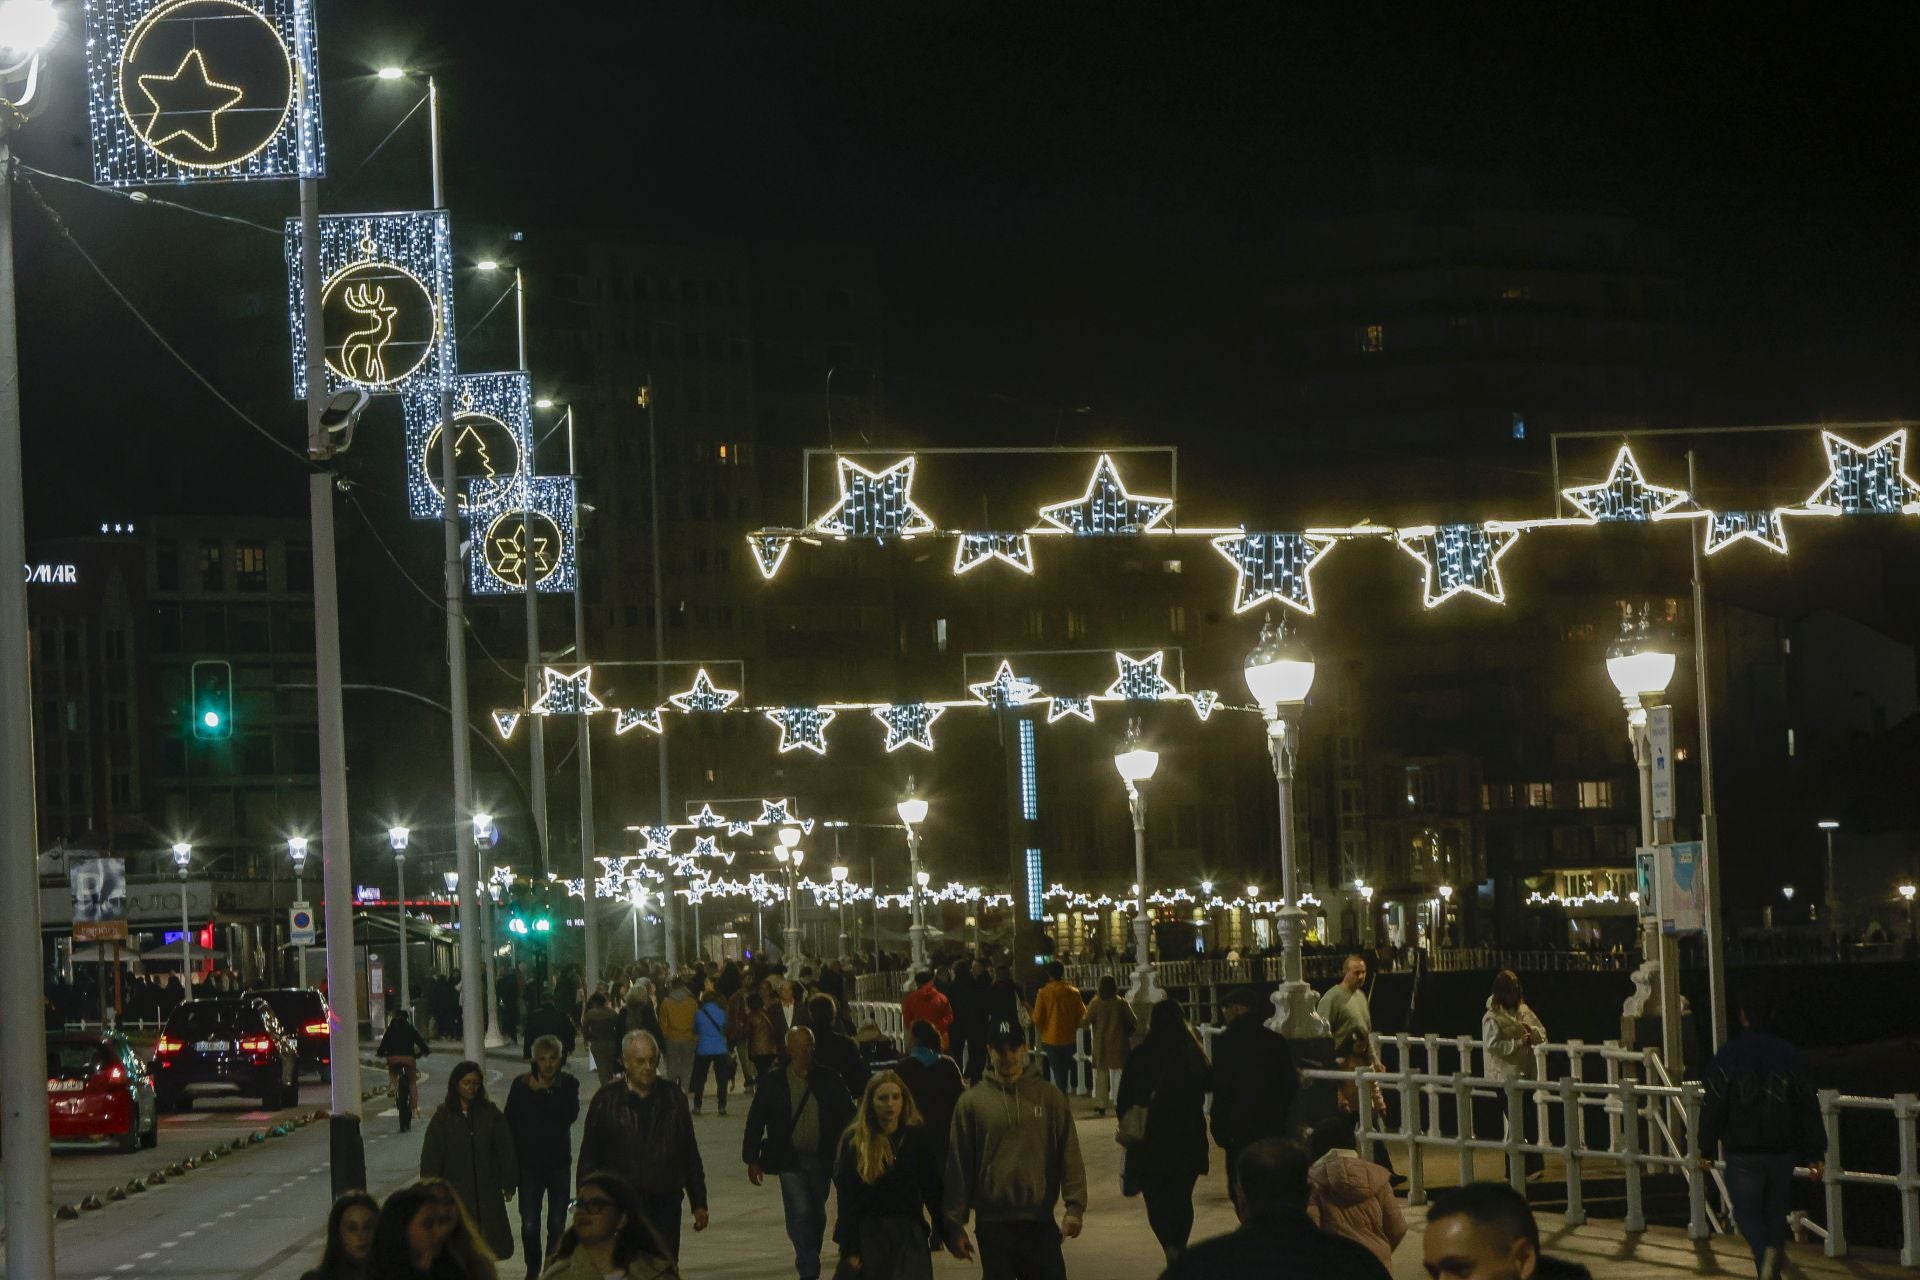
(342, 411)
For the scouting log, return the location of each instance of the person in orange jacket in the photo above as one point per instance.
(926, 1001)
(1057, 1013)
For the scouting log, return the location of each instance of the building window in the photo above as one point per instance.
(1076, 625)
(1596, 795)
(1423, 788)
(940, 635)
(212, 575)
(730, 454)
(1170, 566)
(250, 566)
(1539, 795)
(1373, 338)
(1036, 624)
(1176, 620)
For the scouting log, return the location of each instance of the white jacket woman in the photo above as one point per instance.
(1510, 1030)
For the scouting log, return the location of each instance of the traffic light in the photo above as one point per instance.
(213, 699)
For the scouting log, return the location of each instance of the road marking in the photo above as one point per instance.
(192, 1117)
(148, 1254)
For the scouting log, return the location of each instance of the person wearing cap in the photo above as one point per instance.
(1254, 1080)
(1012, 1154)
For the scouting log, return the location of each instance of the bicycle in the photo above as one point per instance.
(400, 1078)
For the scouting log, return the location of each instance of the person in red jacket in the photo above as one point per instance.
(926, 1001)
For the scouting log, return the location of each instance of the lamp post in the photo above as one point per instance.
(840, 895)
(1829, 826)
(297, 851)
(1135, 763)
(1640, 665)
(182, 858)
(1279, 674)
(790, 855)
(913, 811)
(1446, 900)
(452, 880)
(1907, 891)
(486, 897)
(397, 837)
(638, 897)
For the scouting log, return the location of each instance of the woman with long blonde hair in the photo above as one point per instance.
(888, 1176)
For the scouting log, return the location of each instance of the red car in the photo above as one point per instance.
(98, 1090)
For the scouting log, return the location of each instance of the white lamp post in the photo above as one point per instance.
(1828, 826)
(840, 894)
(397, 837)
(1907, 891)
(1135, 763)
(1640, 664)
(182, 858)
(297, 851)
(486, 897)
(452, 880)
(913, 812)
(790, 855)
(1279, 674)
(1446, 900)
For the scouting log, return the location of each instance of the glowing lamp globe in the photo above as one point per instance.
(912, 810)
(1907, 892)
(1640, 664)
(391, 73)
(182, 854)
(26, 26)
(923, 878)
(839, 875)
(1134, 761)
(781, 855)
(789, 837)
(1279, 671)
(1446, 891)
(452, 880)
(398, 837)
(482, 825)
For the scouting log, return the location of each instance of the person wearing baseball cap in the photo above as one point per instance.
(1012, 1156)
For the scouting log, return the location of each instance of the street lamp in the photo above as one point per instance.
(638, 897)
(182, 858)
(840, 894)
(1907, 891)
(297, 851)
(789, 856)
(1830, 826)
(913, 811)
(1640, 664)
(1446, 900)
(1135, 763)
(1279, 674)
(397, 837)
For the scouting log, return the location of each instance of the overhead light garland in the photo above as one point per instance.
(1624, 494)
(970, 550)
(566, 693)
(802, 727)
(874, 504)
(703, 696)
(1460, 557)
(627, 719)
(1106, 509)
(909, 725)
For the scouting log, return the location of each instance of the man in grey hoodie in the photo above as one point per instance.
(1013, 1153)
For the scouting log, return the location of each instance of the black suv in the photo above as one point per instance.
(226, 1046)
(303, 1012)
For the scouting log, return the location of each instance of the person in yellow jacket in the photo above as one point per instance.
(1057, 1013)
(676, 1024)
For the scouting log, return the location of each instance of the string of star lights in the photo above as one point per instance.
(509, 541)
(386, 302)
(202, 90)
(492, 430)
(1456, 559)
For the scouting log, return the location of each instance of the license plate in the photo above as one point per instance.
(212, 1046)
(65, 1086)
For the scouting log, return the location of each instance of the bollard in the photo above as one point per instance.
(1630, 1135)
(1909, 1185)
(1463, 1117)
(1570, 1109)
(1416, 1154)
(1698, 1227)
(1513, 1135)
(1836, 1214)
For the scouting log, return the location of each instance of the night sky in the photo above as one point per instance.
(1069, 204)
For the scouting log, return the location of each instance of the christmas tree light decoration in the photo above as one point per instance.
(202, 90)
(1460, 557)
(386, 302)
(703, 696)
(508, 542)
(970, 550)
(566, 693)
(909, 724)
(492, 425)
(1624, 494)
(1060, 708)
(1106, 509)
(505, 722)
(627, 719)
(1273, 566)
(1204, 702)
(769, 551)
(1724, 528)
(875, 504)
(706, 819)
(1870, 480)
(1139, 681)
(1005, 689)
(773, 813)
(802, 727)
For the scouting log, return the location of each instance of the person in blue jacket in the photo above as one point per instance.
(711, 1052)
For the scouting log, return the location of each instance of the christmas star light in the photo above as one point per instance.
(773, 813)
(1139, 681)
(1061, 708)
(505, 721)
(875, 504)
(1724, 528)
(909, 724)
(705, 846)
(707, 818)
(769, 551)
(627, 719)
(739, 828)
(1460, 557)
(802, 727)
(1005, 689)
(1204, 702)
(974, 549)
(703, 696)
(659, 839)
(184, 96)
(1273, 566)
(1624, 494)
(567, 693)
(1869, 480)
(1106, 508)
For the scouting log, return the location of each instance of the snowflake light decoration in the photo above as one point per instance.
(802, 727)
(521, 525)
(1106, 508)
(1139, 681)
(1460, 557)
(971, 550)
(1870, 480)
(875, 504)
(492, 425)
(1273, 566)
(703, 696)
(1624, 494)
(909, 724)
(386, 302)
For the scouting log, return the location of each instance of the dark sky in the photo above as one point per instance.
(1041, 184)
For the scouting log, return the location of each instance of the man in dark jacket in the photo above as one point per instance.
(799, 1112)
(1254, 1080)
(833, 1047)
(547, 1020)
(541, 1108)
(640, 1128)
(1486, 1230)
(1276, 1239)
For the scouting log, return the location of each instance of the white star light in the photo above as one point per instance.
(739, 828)
(769, 551)
(875, 504)
(707, 818)
(1624, 494)
(567, 693)
(1005, 689)
(1460, 557)
(1273, 566)
(909, 724)
(801, 727)
(971, 550)
(505, 721)
(706, 846)
(659, 839)
(1870, 480)
(1724, 528)
(1061, 708)
(627, 719)
(1204, 702)
(703, 696)
(1139, 681)
(773, 813)
(1106, 508)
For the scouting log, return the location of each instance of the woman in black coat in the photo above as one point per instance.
(1168, 1074)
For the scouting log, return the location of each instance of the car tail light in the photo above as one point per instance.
(257, 1045)
(165, 1046)
(315, 1028)
(114, 1074)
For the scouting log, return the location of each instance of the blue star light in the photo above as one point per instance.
(1865, 481)
(974, 549)
(703, 696)
(1273, 566)
(773, 813)
(1139, 681)
(801, 727)
(707, 818)
(1624, 494)
(1106, 508)
(875, 504)
(1005, 689)
(659, 839)
(1461, 557)
(909, 724)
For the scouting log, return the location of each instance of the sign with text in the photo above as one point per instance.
(1660, 745)
(1683, 888)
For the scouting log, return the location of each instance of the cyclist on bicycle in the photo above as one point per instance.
(402, 1046)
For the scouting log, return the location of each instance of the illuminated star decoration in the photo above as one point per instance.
(1461, 557)
(1061, 708)
(739, 828)
(909, 724)
(1273, 566)
(707, 819)
(1139, 681)
(705, 846)
(773, 812)
(800, 727)
(975, 549)
(875, 504)
(1204, 702)
(198, 94)
(567, 694)
(659, 839)
(703, 696)
(627, 719)
(505, 721)
(1624, 494)
(1724, 528)
(769, 550)
(1106, 508)
(1865, 481)
(1005, 689)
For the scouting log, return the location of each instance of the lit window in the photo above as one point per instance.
(1596, 795)
(1373, 338)
(1177, 620)
(1170, 566)
(1539, 795)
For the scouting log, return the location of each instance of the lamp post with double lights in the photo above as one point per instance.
(1827, 827)
(1446, 900)
(297, 852)
(840, 895)
(397, 837)
(789, 855)
(182, 859)
(913, 811)
(1135, 762)
(1279, 674)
